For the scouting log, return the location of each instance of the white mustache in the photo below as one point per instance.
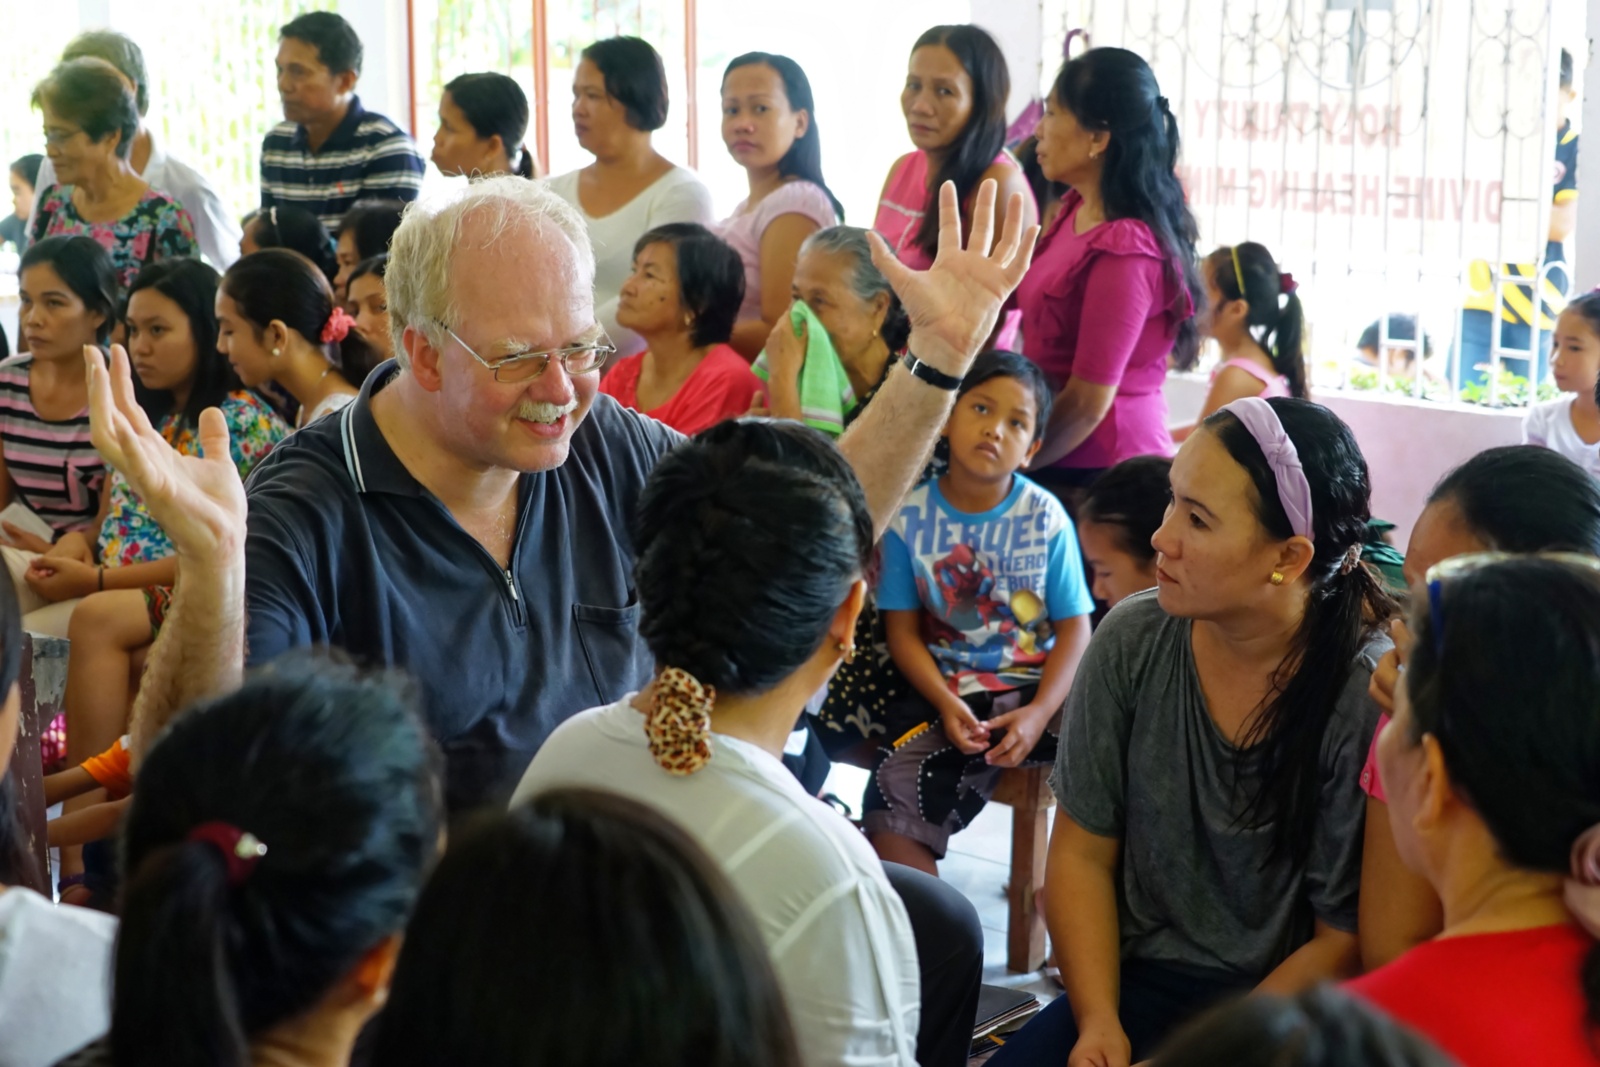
(541, 411)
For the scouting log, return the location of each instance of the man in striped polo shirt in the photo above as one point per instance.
(331, 152)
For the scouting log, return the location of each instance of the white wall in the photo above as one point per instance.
(1017, 26)
(1409, 444)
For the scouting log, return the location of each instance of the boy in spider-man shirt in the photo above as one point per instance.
(986, 612)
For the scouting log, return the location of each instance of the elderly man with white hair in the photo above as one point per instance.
(465, 517)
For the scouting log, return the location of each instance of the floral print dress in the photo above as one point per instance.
(129, 535)
(157, 228)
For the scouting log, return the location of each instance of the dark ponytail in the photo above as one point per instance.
(975, 148)
(334, 774)
(495, 106)
(1509, 689)
(804, 158)
(749, 536)
(1275, 317)
(177, 923)
(279, 285)
(1115, 90)
(1345, 607)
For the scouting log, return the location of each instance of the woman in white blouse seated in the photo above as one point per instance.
(752, 539)
(619, 97)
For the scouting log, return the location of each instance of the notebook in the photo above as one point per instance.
(1000, 1007)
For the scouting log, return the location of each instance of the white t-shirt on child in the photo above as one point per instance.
(55, 978)
(1550, 426)
(836, 931)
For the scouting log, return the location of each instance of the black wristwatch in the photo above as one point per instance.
(932, 375)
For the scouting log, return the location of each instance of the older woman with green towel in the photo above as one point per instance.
(825, 360)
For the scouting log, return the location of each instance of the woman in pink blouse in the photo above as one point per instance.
(1123, 246)
(770, 127)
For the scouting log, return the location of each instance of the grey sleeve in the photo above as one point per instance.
(1090, 778)
(1333, 870)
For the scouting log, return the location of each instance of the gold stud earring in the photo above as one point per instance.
(277, 351)
(1277, 579)
(847, 651)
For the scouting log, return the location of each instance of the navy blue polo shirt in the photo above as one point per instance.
(345, 548)
(367, 157)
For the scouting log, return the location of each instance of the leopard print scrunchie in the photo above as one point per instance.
(679, 727)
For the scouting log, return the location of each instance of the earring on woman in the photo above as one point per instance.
(847, 651)
(1277, 578)
(277, 351)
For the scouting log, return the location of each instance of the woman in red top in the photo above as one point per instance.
(683, 298)
(1492, 768)
(1114, 284)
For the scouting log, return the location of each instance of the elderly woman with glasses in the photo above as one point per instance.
(89, 121)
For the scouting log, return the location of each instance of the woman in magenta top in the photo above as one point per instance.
(1121, 247)
(954, 102)
(1492, 767)
(682, 298)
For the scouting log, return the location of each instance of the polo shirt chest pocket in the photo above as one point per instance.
(618, 660)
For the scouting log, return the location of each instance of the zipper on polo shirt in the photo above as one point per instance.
(511, 584)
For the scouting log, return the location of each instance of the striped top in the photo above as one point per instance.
(53, 465)
(367, 157)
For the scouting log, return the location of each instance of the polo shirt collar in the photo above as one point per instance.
(343, 135)
(371, 463)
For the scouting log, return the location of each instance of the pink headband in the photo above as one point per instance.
(1294, 492)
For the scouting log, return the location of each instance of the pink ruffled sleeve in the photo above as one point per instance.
(1371, 783)
(1122, 291)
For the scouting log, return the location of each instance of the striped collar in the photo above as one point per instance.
(368, 459)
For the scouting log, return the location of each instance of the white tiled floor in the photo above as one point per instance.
(978, 864)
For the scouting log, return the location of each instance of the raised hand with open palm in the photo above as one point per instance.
(198, 501)
(954, 304)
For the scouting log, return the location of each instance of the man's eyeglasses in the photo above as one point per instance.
(526, 366)
(1456, 566)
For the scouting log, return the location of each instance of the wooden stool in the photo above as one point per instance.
(1026, 791)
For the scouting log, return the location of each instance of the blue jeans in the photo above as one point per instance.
(1156, 998)
(1472, 353)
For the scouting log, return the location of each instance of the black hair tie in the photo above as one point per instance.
(1161, 102)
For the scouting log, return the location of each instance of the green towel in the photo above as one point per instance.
(825, 392)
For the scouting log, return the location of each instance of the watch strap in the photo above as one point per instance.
(930, 374)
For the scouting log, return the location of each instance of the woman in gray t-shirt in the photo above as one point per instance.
(1209, 838)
